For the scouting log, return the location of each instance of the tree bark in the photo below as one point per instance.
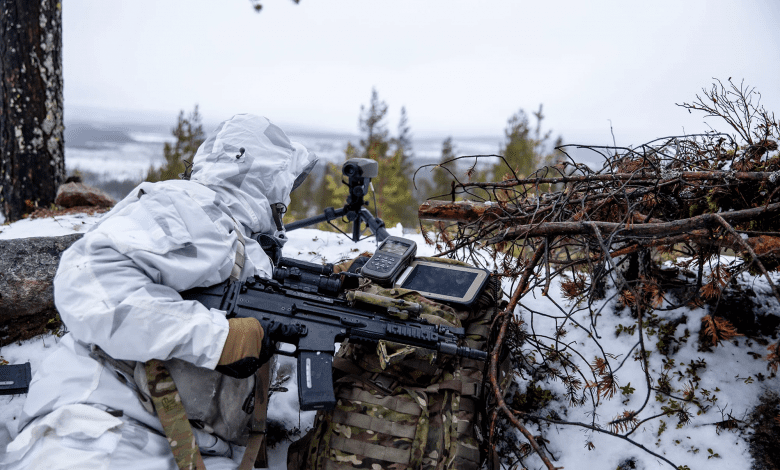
(462, 211)
(27, 268)
(32, 157)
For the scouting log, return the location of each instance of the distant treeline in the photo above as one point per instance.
(397, 196)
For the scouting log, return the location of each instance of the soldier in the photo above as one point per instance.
(117, 291)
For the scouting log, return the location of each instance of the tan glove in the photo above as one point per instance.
(241, 354)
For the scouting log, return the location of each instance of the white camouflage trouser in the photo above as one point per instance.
(84, 437)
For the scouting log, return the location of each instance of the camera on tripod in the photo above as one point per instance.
(358, 173)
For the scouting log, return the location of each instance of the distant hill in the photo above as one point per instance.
(88, 136)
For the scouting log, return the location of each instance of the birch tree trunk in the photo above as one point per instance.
(32, 158)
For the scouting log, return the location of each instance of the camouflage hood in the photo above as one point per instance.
(251, 164)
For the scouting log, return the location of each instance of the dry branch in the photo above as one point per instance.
(651, 230)
(605, 234)
(639, 178)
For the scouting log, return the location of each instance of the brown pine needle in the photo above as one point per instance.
(718, 329)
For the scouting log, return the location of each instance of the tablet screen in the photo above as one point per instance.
(444, 281)
(425, 278)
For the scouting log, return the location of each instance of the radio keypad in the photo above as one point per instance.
(382, 262)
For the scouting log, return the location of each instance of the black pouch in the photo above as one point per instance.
(15, 378)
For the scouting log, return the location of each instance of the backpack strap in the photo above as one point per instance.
(166, 399)
(255, 455)
(469, 389)
(173, 418)
(374, 424)
(238, 264)
(372, 451)
(395, 403)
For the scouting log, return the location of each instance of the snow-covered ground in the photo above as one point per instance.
(735, 373)
(726, 381)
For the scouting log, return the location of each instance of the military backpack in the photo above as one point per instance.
(400, 407)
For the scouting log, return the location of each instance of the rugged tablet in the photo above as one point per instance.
(445, 282)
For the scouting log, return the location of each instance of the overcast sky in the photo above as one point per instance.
(459, 67)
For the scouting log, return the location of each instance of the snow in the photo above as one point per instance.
(730, 369)
(48, 226)
(734, 378)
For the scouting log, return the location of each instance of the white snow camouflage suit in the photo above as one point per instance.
(117, 288)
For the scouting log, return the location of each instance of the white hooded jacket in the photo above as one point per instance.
(118, 286)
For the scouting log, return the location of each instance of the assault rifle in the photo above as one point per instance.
(310, 297)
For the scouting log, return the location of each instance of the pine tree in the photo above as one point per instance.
(336, 192)
(404, 140)
(526, 148)
(324, 192)
(375, 144)
(519, 148)
(441, 186)
(303, 201)
(393, 188)
(403, 144)
(394, 198)
(189, 135)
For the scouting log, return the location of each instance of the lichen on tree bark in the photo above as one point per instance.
(32, 158)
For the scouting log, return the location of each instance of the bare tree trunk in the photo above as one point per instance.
(32, 157)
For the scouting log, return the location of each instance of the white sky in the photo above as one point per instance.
(460, 67)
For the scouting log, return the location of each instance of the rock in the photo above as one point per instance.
(76, 194)
(27, 268)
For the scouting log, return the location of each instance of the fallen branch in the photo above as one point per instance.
(638, 178)
(651, 230)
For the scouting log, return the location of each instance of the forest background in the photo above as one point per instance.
(401, 185)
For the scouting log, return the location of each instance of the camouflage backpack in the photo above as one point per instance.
(400, 407)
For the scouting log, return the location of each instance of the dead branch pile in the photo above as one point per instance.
(687, 199)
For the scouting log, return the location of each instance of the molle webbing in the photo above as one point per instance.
(478, 329)
(467, 405)
(374, 424)
(403, 409)
(373, 451)
(464, 427)
(460, 386)
(426, 367)
(468, 453)
(472, 364)
(394, 403)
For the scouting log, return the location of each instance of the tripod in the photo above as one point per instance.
(359, 172)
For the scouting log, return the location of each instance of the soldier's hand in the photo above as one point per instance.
(275, 331)
(241, 355)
